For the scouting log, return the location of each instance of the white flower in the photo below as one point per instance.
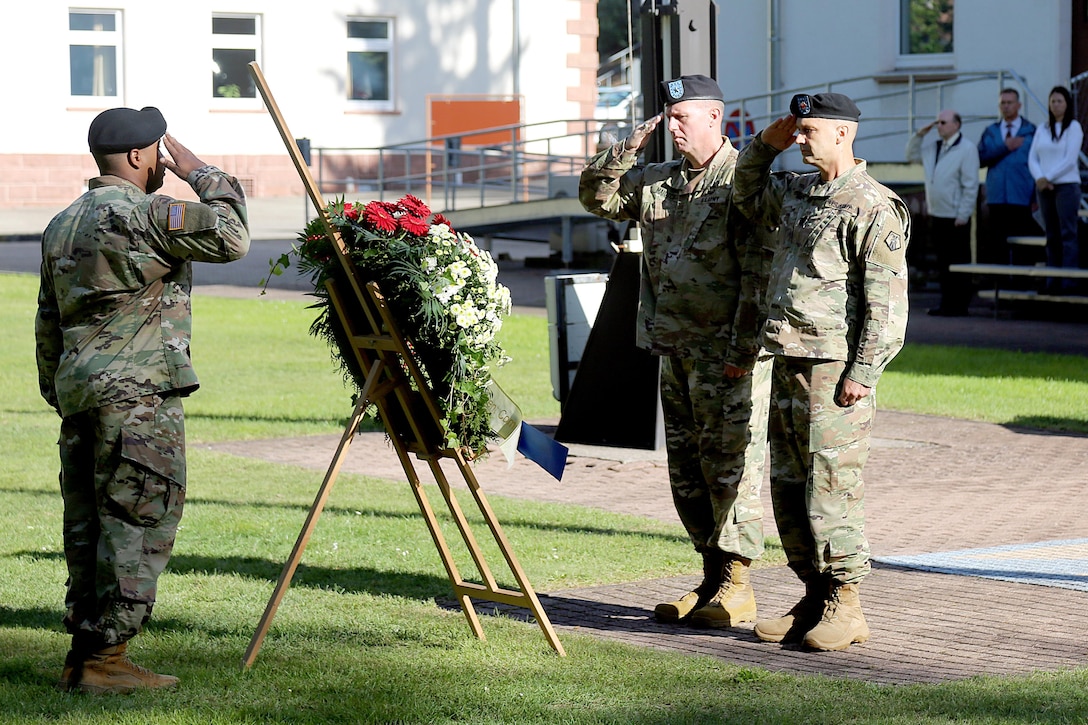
(440, 231)
(444, 289)
(458, 270)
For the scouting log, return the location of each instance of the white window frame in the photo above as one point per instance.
(102, 38)
(907, 60)
(225, 41)
(370, 45)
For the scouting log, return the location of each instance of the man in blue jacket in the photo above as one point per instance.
(1010, 189)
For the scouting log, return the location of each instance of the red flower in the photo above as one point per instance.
(412, 205)
(441, 219)
(413, 225)
(351, 211)
(379, 217)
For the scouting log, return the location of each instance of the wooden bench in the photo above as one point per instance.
(1028, 241)
(1001, 271)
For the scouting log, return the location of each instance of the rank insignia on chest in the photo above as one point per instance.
(894, 241)
(175, 218)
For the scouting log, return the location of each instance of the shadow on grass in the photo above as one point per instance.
(33, 618)
(508, 523)
(354, 580)
(366, 425)
(1049, 425)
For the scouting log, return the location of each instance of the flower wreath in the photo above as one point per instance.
(441, 289)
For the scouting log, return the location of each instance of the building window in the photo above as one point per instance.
(236, 42)
(370, 62)
(926, 26)
(94, 52)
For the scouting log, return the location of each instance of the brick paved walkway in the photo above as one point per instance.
(933, 484)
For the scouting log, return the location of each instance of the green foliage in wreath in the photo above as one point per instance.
(441, 289)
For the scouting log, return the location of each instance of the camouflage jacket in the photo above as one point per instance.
(839, 286)
(114, 316)
(704, 266)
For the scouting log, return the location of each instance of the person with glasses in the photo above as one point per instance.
(701, 307)
(951, 169)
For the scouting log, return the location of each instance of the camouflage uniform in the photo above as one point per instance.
(838, 309)
(701, 306)
(113, 329)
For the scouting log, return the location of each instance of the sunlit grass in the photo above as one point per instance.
(366, 633)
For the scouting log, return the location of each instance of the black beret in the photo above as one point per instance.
(122, 129)
(690, 88)
(824, 105)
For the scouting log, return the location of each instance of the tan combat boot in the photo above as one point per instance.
(734, 602)
(109, 671)
(842, 623)
(792, 628)
(672, 612)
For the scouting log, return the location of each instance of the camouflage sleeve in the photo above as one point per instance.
(755, 250)
(611, 184)
(48, 338)
(757, 192)
(216, 229)
(883, 240)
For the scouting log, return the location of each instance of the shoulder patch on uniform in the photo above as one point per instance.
(894, 241)
(175, 217)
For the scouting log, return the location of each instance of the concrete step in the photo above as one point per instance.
(1031, 296)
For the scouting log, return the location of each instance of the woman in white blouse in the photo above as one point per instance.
(1053, 162)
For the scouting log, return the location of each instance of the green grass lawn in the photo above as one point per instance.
(359, 637)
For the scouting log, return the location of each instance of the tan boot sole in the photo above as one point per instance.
(718, 618)
(838, 646)
(678, 611)
(769, 637)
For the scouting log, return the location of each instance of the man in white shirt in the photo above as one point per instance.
(951, 171)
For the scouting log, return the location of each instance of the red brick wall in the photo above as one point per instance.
(585, 61)
(36, 180)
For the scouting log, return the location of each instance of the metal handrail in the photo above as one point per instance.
(523, 168)
(913, 89)
(523, 165)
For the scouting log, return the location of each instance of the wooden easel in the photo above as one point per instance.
(406, 406)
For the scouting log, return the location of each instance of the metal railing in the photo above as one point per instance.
(450, 172)
(538, 160)
(764, 108)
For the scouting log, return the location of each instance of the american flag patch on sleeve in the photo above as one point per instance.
(175, 218)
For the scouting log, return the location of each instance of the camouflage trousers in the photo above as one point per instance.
(818, 449)
(716, 434)
(123, 481)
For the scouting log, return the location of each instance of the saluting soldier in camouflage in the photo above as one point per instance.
(113, 330)
(837, 317)
(704, 269)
